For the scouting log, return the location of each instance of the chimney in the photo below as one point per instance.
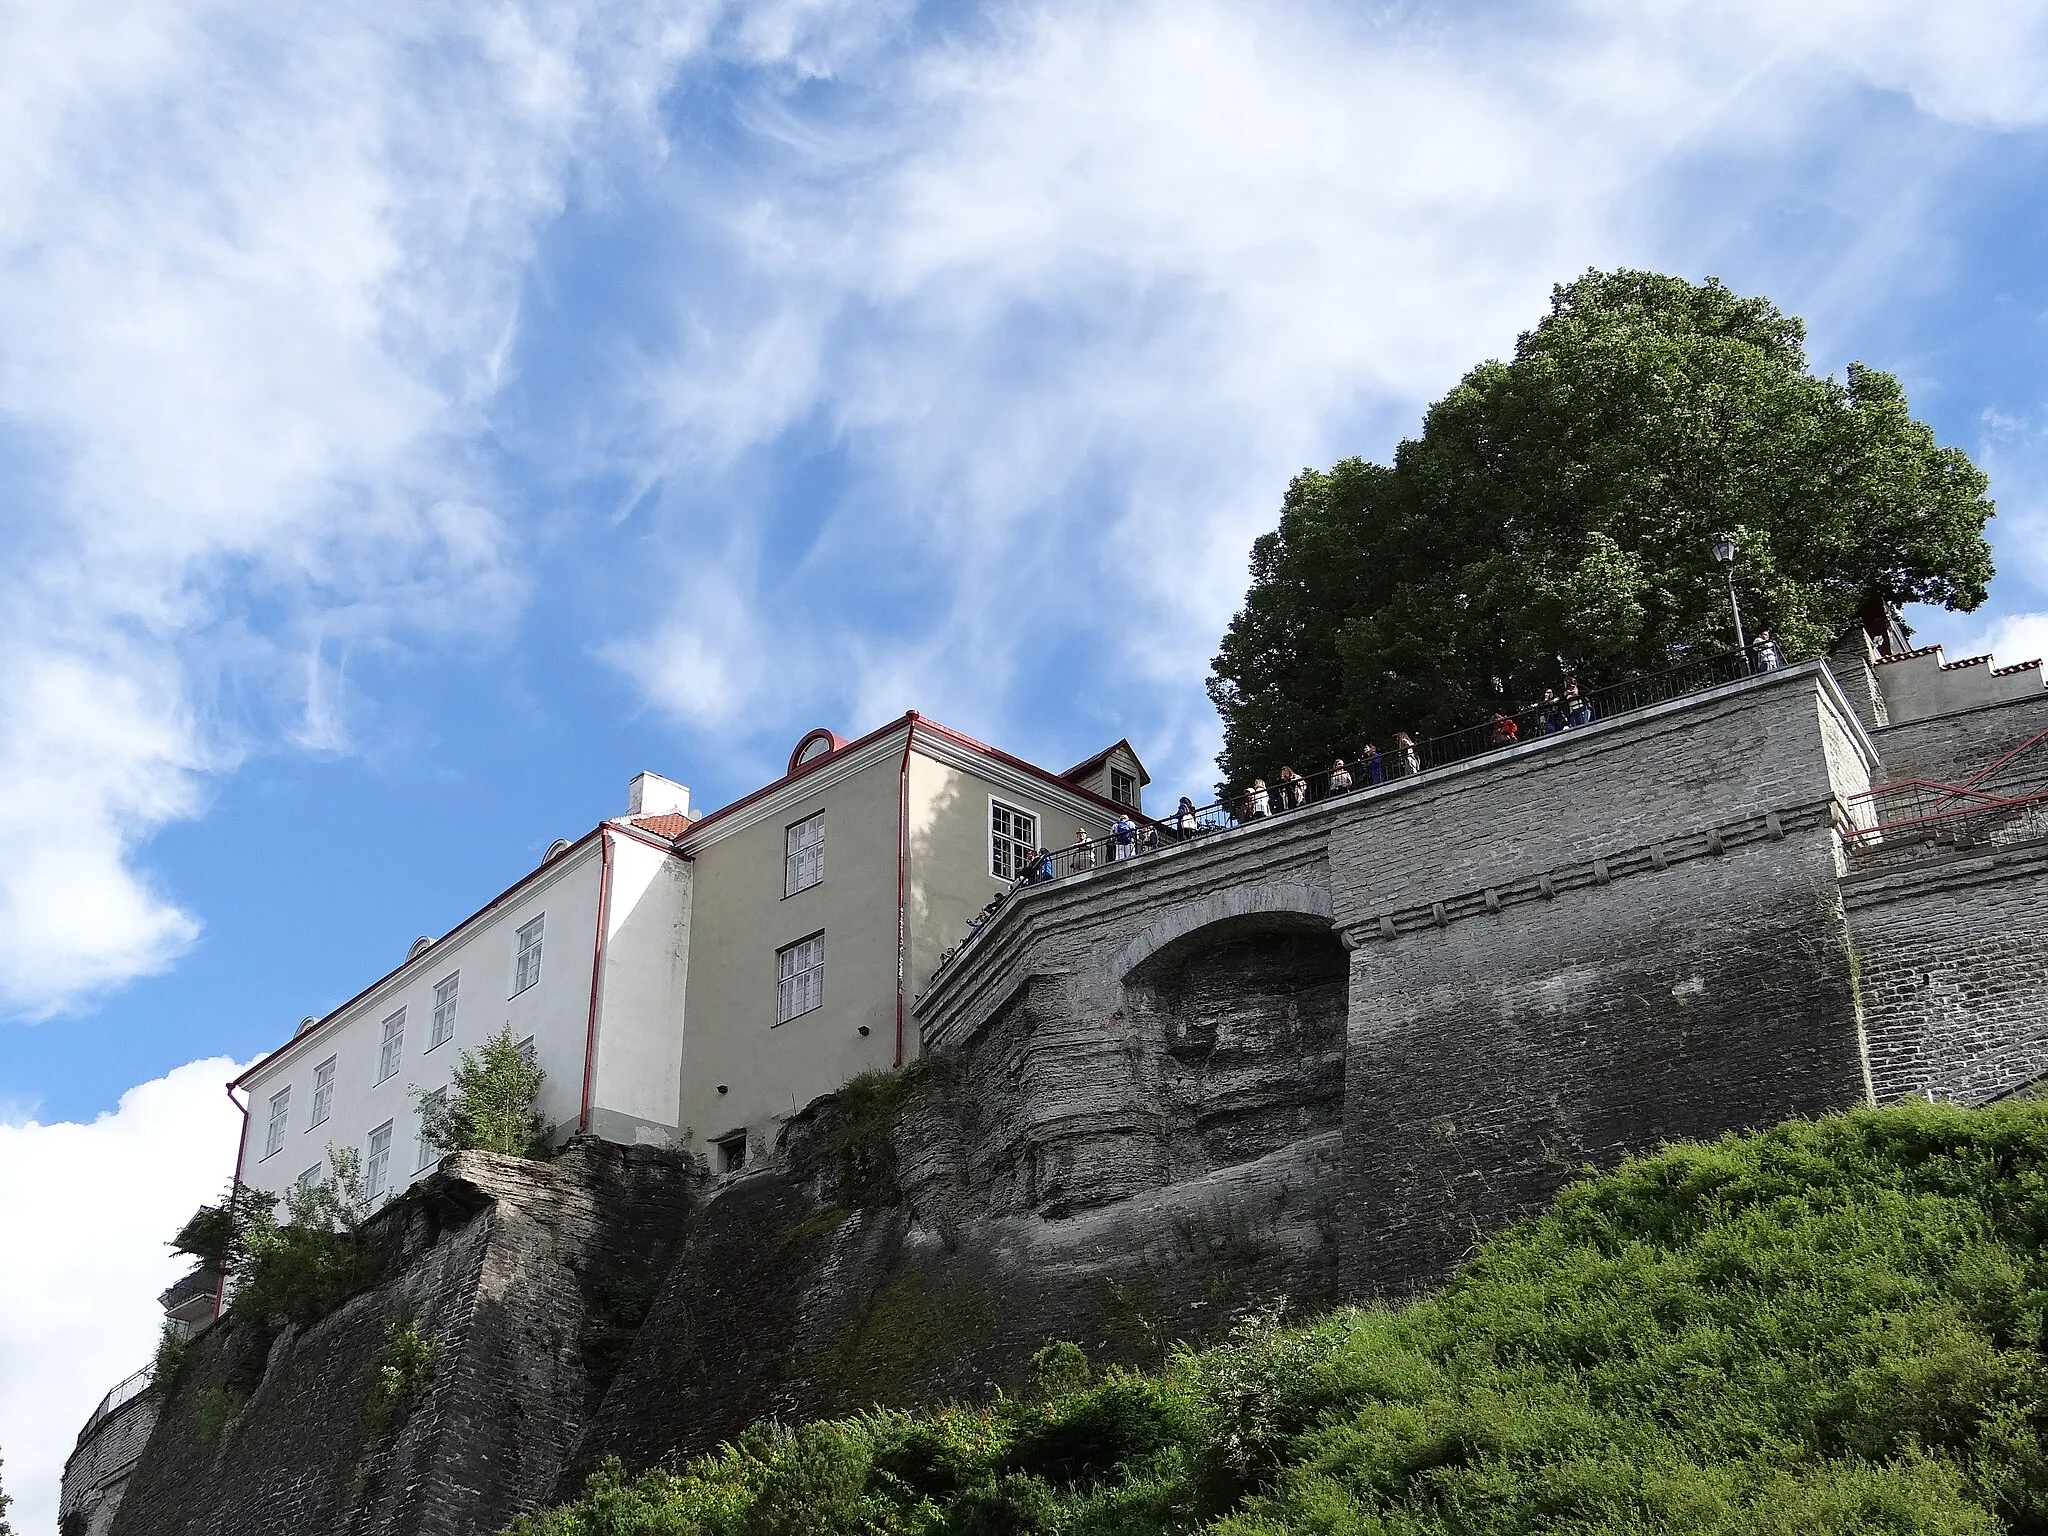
(651, 795)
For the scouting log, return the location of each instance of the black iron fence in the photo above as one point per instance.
(1402, 757)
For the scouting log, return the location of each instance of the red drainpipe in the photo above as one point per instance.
(604, 902)
(902, 861)
(220, 1286)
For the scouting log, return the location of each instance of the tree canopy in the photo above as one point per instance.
(1556, 517)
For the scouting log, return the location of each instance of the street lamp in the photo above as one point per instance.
(1724, 551)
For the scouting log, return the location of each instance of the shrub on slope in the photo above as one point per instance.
(1832, 1327)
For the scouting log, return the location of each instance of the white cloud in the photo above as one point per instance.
(259, 266)
(89, 1209)
(1077, 287)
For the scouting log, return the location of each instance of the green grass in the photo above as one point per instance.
(1833, 1327)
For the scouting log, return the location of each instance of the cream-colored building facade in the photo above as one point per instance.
(690, 980)
(825, 901)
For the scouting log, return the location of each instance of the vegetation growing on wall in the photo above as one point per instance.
(1833, 1327)
(402, 1371)
(1556, 517)
(290, 1271)
(6, 1528)
(493, 1106)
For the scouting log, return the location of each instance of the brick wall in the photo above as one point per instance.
(497, 1260)
(1954, 973)
(1949, 748)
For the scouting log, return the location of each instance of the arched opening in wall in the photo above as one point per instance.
(1251, 1012)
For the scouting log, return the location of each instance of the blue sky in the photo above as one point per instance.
(417, 419)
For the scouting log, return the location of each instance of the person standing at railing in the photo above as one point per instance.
(1124, 837)
(1578, 709)
(1550, 712)
(1407, 761)
(1372, 765)
(1084, 850)
(1765, 655)
(1340, 777)
(1504, 730)
(1256, 806)
(1185, 823)
(1041, 869)
(1293, 789)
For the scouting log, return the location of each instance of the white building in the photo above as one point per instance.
(692, 980)
(584, 958)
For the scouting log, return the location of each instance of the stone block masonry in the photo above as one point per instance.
(502, 1264)
(1954, 973)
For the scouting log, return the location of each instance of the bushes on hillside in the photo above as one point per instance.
(1833, 1327)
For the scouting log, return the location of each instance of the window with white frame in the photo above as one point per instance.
(1012, 840)
(526, 971)
(528, 1053)
(323, 1093)
(800, 978)
(280, 1115)
(1123, 788)
(378, 1174)
(444, 1011)
(391, 1049)
(307, 1179)
(803, 856)
(429, 1103)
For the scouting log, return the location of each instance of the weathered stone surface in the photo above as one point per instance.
(500, 1262)
(1955, 957)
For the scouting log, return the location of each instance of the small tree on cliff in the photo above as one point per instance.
(1556, 518)
(493, 1105)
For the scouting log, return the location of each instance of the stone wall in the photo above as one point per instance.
(506, 1266)
(1950, 748)
(1954, 952)
(97, 1471)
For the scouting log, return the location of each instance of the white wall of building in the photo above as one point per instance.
(482, 954)
(637, 1077)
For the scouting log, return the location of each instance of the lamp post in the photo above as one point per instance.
(1724, 551)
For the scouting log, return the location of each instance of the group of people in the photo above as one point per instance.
(1292, 791)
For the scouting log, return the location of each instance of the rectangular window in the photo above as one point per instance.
(307, 1180)
(730, 1152)
(323, 1092)
(803, 856)
(527, 971)
(391, 1051)
(444, 1011)
(378, 1174)
(428, 1151)
(526, 1051)
(280, 1114)
(1123, 789)
(800, 978)
(1013, 840)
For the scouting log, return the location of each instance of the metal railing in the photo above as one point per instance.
(2008, 794)
(119, 1396)
(1261, 801)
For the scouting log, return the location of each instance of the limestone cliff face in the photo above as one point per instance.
(512, 1269)
(1120, 1182)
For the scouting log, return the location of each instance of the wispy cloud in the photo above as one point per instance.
(1072, 290)
(258, 270)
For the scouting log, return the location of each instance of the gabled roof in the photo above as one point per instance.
(1083, 769)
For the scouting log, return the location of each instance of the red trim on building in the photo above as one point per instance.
(604, 904)
(220, 1289)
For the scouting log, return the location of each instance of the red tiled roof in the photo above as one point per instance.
(670, 824)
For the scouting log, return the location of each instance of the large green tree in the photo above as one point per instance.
(1556, 519)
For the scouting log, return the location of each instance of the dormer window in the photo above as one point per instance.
(1123, 788)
